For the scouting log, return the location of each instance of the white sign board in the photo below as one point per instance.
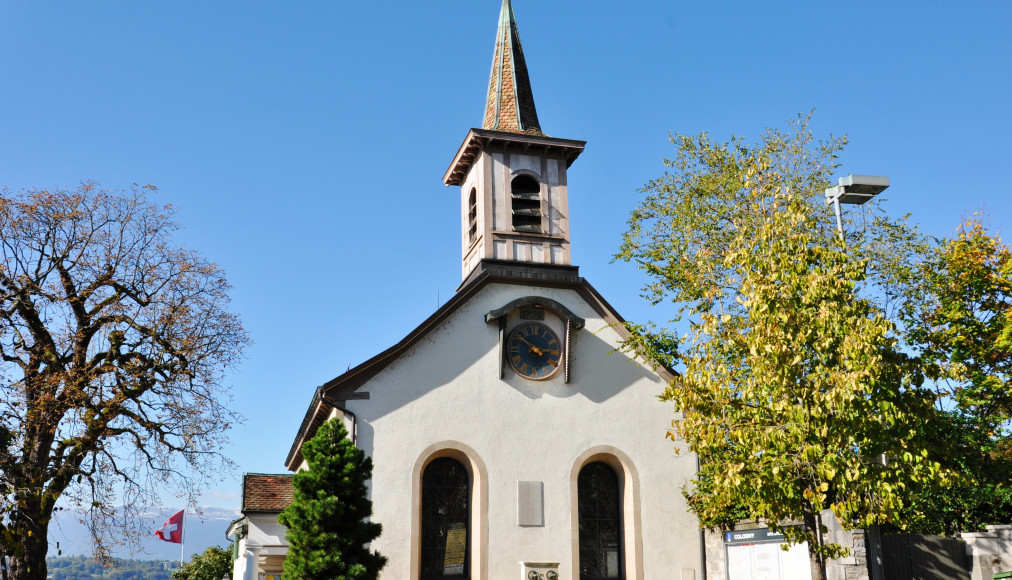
(757, 555)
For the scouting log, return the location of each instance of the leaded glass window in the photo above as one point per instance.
(446, 517)
(600, 522)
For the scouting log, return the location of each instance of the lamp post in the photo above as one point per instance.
(854, 190)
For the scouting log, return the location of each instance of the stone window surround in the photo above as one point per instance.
(628, 481)
(478, 528)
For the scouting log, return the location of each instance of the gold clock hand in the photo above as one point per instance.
(534, 349)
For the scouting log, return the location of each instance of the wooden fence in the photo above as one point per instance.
(921, 557)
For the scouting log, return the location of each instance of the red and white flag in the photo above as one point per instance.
(172, 529)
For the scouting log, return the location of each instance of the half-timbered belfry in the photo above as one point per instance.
(514, 199)
(509, 438)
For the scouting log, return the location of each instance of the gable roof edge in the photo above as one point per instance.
(341, 387)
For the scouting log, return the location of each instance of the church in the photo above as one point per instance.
(510, 437)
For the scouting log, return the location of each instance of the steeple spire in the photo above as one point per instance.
(510, 104)
(514, 197)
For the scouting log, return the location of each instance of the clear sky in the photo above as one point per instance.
(304, 142)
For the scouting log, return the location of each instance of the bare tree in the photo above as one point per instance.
(114, 344)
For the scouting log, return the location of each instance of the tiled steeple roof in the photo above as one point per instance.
(510, 104)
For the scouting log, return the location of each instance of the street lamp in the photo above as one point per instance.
(855, 190)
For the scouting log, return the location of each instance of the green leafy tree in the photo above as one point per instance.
(212, 564)
(84, 568)
(958, 312)
(794, 390)
(114, 343)
(960, 319)
(981, 494)
(328, 532)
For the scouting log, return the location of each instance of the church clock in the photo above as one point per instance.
(534, 350)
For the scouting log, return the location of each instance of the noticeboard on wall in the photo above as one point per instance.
(757, 555)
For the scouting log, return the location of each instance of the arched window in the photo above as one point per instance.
(472, 216)
(526, 195)
(446, 517)
(600, 517)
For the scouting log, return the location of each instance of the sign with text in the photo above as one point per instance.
(758, 555)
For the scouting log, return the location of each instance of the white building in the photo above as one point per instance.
(506, 433)
(259, 537)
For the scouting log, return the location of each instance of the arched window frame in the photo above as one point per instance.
(472, 216)
(628, 480)
(478, 528)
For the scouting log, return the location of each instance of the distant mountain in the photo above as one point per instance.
(207, 529)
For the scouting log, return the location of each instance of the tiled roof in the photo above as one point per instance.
(510, 103)
(265, 492)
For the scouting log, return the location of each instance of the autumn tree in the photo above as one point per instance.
(212, 564)
(795, 394)
(114, 342)
(960, 320)
(958, 316)
(328, 520)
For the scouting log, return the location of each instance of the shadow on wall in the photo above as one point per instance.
(598, 372)
(591, 380)
(923, 557)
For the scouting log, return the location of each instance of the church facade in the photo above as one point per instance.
(509, 437)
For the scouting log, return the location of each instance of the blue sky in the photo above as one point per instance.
(304, 142)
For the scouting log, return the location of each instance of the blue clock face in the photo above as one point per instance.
(534, 350)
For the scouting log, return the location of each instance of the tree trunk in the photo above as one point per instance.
(31, 564)
(816, 560)
(30, 525)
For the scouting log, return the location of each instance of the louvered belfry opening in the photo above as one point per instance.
(526, 197)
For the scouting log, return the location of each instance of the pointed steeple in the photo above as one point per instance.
(510, 104)
(514, 193)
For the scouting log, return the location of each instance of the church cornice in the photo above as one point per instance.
(483, 139)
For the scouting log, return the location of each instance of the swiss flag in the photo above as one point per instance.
(172, 529)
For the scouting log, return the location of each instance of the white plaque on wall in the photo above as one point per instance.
(530, 503)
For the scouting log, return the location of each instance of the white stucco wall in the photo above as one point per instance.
(446, 392)
(264, 542)
(264, 530)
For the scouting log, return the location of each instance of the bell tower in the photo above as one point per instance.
(514, 195)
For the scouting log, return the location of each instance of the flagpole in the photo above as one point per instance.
(182, 538)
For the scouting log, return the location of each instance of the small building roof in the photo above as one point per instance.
(264, 492)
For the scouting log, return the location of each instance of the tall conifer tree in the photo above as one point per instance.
(328, 532)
